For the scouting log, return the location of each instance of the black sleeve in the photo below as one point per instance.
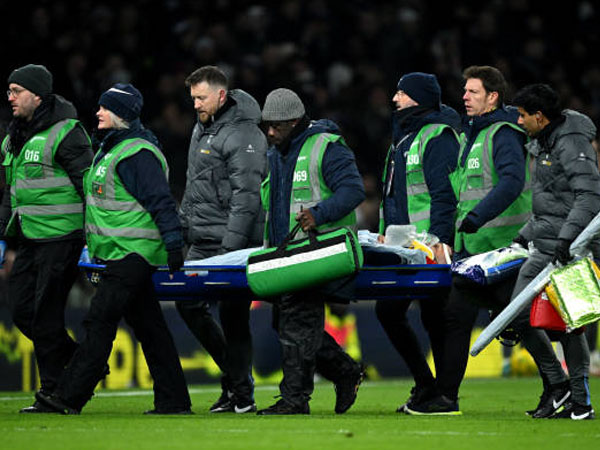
(5, 210)
(75, 155)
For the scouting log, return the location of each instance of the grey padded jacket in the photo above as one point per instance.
(226, 163)
(566, 183)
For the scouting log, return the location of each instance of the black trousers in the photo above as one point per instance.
(464, 301)
(306, 347)
(39, 283)
(392, 316)
(125, 291)
(229, 344)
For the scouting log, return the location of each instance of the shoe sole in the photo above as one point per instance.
(34, 410)
(247, 409)
(220, 410)
(412, 412)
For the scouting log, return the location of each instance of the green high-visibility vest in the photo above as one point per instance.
(42, 196)
(308, 185)
(473, 181)
(116, 224)
(417, 193)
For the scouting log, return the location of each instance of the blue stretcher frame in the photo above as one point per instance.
(229, 282)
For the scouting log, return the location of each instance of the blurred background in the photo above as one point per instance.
(344, 58)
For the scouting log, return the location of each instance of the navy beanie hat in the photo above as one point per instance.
(33, 77)
(423, 88)
(124, 100)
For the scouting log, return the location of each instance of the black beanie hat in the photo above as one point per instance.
(124, 100)
(34, 78)
(423, 88)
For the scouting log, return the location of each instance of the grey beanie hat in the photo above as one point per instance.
(282, 104)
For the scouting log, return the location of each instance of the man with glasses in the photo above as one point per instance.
(44, 156)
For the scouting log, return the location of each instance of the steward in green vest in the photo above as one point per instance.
(416, 187)
(313, 180)
(308, 186)
(131, 223)
(475, 179)
(43, 198)
(491, 185)
(44, 156)
(417, 191)
(116, 223)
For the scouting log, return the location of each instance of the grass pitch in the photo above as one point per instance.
(493, 418)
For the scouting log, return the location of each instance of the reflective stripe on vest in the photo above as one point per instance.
(308, 189)
(476, 179)
(308, 186)
(42, 194)
(417, 192)
(116, 223)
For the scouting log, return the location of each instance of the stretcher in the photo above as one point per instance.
(229, 282)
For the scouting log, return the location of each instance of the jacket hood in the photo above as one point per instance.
(53, 109)
(323, 126)
(445, 115)
(244, 108)
(414, 122)
(575, 123)
(314, 127)
(504, 114)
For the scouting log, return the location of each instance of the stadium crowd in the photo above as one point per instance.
(342, 57)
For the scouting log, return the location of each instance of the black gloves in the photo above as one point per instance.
(520, 240)
(175, 260)
(468, 225)
(561, 252)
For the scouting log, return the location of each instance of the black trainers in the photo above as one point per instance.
(159, 411)
(551, 400)
(574, 411)
(284, 408)
(244, 407)
(346, 391)
(223, 404)
(440, 405)
(418, 394)
(55, 404)
(36, 408)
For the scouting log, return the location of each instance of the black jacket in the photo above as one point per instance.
(74, 153)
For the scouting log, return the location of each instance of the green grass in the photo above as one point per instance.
(493, 418)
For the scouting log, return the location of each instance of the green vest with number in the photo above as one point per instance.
(116, 224)
(417, 193)
(473, 182)
(308, 185)
(42, 196)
